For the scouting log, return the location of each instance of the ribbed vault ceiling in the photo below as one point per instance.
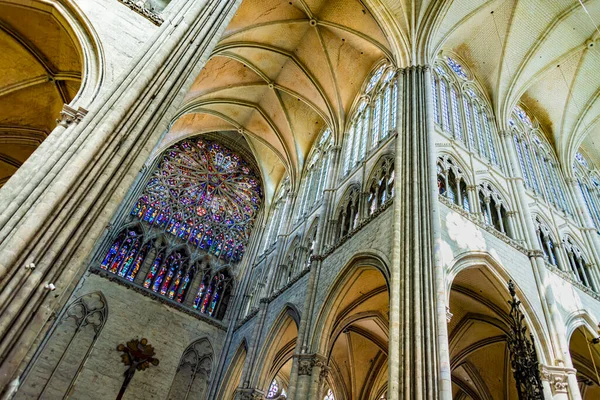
(41, 71)
(544, 54)
(282, 71)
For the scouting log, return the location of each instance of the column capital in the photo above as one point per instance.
(557, 377)
(249, 394)
(69, 115)
(306, 363)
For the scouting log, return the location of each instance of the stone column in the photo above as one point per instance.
(553, 318)
(419, 366)
(300, 383)
(56, 224)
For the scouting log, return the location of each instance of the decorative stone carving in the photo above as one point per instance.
(249, 394)
(306, 363)
(69, 115)
(139, 7)
(449, 315)
(558, 377)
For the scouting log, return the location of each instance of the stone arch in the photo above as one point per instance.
(193, 372)
(580, 318)
(56, 366)
(276, 356)
(232, 378)
(352, 328)
(501, 277)
(584, 354)
(479, 323)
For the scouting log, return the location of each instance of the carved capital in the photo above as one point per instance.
(69, 115)
(249, 394)
(535, 253)
(558, 377)
(306, 363)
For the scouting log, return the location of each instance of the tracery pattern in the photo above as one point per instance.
(205, 194)
(451, 183)
(315, 178)
(538, 163)
(589, 185)
(493, 208)
(374, 118)
(461, 111)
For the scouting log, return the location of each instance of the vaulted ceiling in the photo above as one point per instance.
(41, 71)
(544, 54)
(282, 71)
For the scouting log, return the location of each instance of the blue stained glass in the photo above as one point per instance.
(202, 179)
(436, 114)
(456, 67)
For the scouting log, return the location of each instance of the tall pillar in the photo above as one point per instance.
(56, 224)
(554, 321)
(419, 366)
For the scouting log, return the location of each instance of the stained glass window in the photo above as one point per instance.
(445, 111)
(373, 119)
(126, 254)
(456, 67)
(458, 129)
(205, 194)
(329, 395)
(316, 173)
(436, 113)
(273, 390)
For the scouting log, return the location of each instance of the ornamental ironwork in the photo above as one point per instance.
(523, 356)
(137, 355)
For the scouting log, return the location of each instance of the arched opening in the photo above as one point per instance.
(586, 360)
(234, 372)
(41, 63)
(479, 333)
(277, 362)
(354, 335)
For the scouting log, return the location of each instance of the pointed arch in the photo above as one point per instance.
(232, 378)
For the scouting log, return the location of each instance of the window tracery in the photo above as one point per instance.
(193, 372)
(381, 185)
(577, 262)
(374, 119)
(205, 194)
(315, 178)
(493, 208)
(461, 112)
(589, 186)
(347, 216)
(451, 183)
(538, 164)
(278, 211)
(546, 241)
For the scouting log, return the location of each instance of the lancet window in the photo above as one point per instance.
(193, 372)
(315, 178)
(213, 293)
(381, 185)
(374, 118)
(493, 208)
(348, 212)
(126, 254)
(451, 183)
(577, 262)
(589, 185)
(461, 111)
(546, 242)
(537, 161)
(329, 395)
(277, 214)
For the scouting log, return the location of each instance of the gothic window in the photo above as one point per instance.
(374, 117)
(493, 208)
(56, 368)
(273, 390)
(213, 294)
(546, 241)
(205, 194)
(126, 254)
(278, 211)
(577, 262)
(193, 372)
(329, 395)
(170, 275)
(589, 186)
(468, 121)
(451, 183)
(537, 161)
(348, 213)
(315, 178)
(381, 185)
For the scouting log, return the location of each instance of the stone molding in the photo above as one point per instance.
(247, 318)
(69, 115)
(567, 277)
(471, 217)
(144, 12)
(168, 302)
(249, 394)
(558, 377)
(306, 363)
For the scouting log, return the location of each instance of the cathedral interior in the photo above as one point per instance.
(300, 199)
